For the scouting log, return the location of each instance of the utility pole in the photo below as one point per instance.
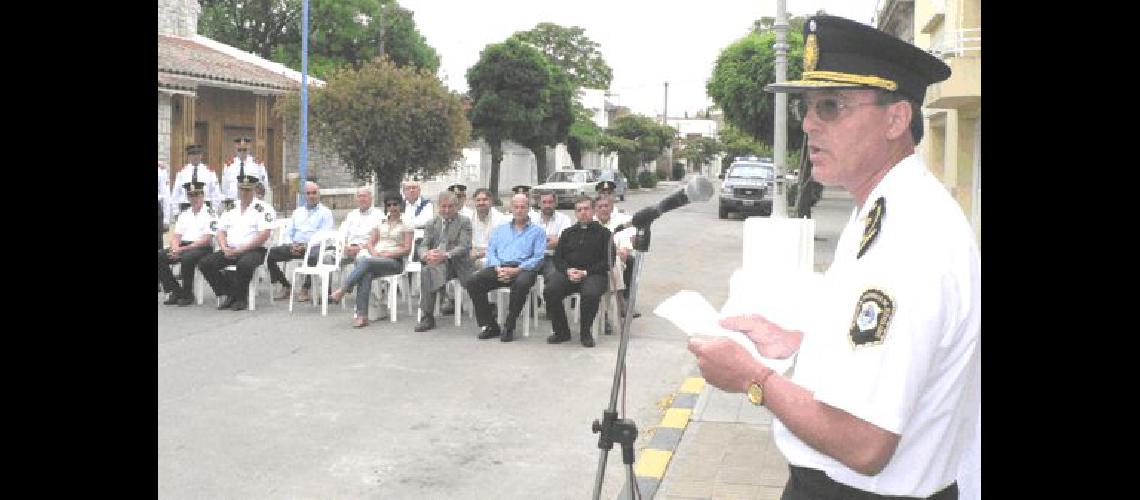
(779, 203)
(304, 153)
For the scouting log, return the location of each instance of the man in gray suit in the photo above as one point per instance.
(445, 252)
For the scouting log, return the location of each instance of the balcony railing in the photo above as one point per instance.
(958, 43)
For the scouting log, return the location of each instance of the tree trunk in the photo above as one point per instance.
(540, 162)
(574, 147)
(496, 160)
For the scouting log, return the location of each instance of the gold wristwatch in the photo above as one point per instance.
(756, 389)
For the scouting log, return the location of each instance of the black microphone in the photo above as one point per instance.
(698, 189)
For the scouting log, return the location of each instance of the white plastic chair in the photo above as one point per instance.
(460, 295)
(278, 230)
(329, 245)
(503, 300)
(575, 313)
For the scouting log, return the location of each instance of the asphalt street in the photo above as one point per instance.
(268, 404)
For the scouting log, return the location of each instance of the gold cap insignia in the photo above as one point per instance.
(874, 222)
(811, 52)
(872, 317)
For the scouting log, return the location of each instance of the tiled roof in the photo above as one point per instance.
(184, 60)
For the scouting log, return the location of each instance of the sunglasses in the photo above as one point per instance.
(826, 109)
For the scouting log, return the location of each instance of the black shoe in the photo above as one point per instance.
(557, 339)
(508, 334)
(171, 300)
(426, 324)
(228, 302)
(239, 305)
(185, 301)
(587, 340)
(489, 332)
(636, 314)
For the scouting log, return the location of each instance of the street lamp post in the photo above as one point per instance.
(779, 207)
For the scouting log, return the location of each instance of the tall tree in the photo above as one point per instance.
(572, 51)
(510, 92)
(648, 139)
(740, 74)
(386, 120)
(584, 135)
(701, 150)
(737, 143)
(259, 26)
(555, 124)
(341, 32)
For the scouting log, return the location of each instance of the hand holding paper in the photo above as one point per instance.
(690, 312)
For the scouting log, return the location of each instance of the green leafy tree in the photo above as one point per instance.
(700, 150)
(647, 140)
(341, 32)
(386, 120)
(555, 124)
(510, 89)
(741, 72)
(584, 135)
(572, 51)
(737, 143)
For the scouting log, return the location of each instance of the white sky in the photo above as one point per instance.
(646, 42)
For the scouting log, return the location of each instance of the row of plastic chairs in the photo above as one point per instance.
(331, 249)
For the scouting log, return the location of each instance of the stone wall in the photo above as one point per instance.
(164, 129)
(178, 17)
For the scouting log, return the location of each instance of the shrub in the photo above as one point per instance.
(647, 179)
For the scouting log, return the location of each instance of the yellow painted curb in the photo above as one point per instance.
(652, 463)
(693, 385)
(676, 418)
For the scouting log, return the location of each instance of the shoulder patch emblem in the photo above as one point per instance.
(874, 222)
(213, 225)
(258, 207)
(872, 317)
(268, 217)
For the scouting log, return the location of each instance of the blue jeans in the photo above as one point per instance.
(367, 269)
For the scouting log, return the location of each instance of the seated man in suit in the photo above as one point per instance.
(189, 243)
(514, 257)
(242, 233)
(579, 265)
(444, 253)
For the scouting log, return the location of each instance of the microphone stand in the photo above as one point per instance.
(611, 428)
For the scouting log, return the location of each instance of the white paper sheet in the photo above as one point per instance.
(691, 313)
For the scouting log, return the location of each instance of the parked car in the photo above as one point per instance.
(748, 187)
(567, 186)
(613, 175)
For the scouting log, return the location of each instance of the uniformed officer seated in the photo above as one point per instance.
(190, 242)
(242, 233)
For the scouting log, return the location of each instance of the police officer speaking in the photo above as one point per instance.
(885, 394)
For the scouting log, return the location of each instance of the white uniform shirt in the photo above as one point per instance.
(357, 227)
(242, 226)
(623, 238)
(555, 225)
(192, 226)
(213, 188)
(230, 173)
(164, 193)
(922, 380)
(426, 214)
(481, 230)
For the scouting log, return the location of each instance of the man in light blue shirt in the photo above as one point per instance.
(514, 257)
(307, 221)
